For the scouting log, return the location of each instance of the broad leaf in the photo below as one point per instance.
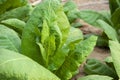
(91, 16)
(6, 6)
(95, 77)
(21, 13)
(14, 66)
(94, 66)
(15, 24)
(76, 57)
(115, 50)
(9, 39)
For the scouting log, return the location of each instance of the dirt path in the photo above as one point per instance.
(92, 4)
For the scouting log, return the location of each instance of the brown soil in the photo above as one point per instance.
(92, 4)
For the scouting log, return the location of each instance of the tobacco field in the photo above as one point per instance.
(53, 40)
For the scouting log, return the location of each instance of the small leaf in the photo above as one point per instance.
(45, 32)
(42, 50)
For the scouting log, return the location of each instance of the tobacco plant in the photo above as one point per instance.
(108, 21)
(39, 43)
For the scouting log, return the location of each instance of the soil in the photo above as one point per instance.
(92, 4)
(98, 53)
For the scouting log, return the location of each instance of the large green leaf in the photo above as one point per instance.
(6, 6)
(15, 24)
(9, 39)
(115, 50)
(14, 66)
(75, 58)
(95, 77)
(91, 16)
(109, 31)
(21, 13)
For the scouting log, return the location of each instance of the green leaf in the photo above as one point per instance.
(21, 13)
(76, 57)
(109, 61)
(95, 77)
(69, 5)
(116, 18)
(43, 52)
(75, 35)
(109, 31)
(91, 16)
(15, 24)
(50, 47)
(70, 9)
(6, 6)
(63, 23)
(102, 40)
(114, 4)
(94, 66)
(14, 66)
(9, 39)
(107, 16)
(59, 57)
(30, 35)
(45, 32)
(115, 49)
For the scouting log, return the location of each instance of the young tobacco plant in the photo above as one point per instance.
(105, 20)
(47, 46)
(112, 69)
